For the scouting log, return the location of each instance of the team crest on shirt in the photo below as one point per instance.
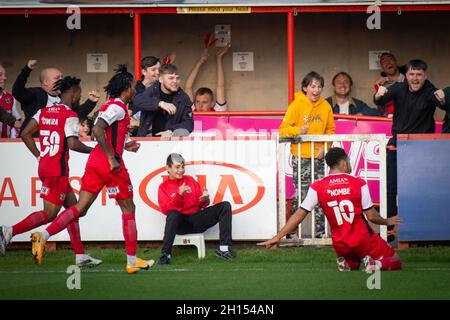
(7, 100)
(45, 191)
(62, 196)
(130, 188)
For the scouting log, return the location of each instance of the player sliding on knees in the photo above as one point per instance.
(58, 127)
(105, 167)
(344, 198)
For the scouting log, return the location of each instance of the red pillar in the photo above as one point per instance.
(137, 45)
(291, 56)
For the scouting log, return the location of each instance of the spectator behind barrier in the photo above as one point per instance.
(150, 73)
(415, 104)
(10, 113)
(342, 102)
(33, 99)
(391, 73)
(86, 125)
(166, 109)
(444, 97)
(204, 97)
(309, 113)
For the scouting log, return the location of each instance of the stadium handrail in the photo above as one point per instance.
(281, 113)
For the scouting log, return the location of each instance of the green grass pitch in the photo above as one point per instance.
(258, 273)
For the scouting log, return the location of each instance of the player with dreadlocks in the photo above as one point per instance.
(105, 167)
(58, 128)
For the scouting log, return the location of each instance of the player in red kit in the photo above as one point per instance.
(58, 128)
(344, 198)
(105, 167)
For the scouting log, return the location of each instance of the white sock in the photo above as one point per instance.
(46, 235)
(79, 257)
(378, 264)
(131, 259)
(223, 248)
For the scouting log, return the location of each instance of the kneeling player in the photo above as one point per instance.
(344, 198)
(58, 127)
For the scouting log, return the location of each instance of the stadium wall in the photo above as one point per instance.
(324, 42)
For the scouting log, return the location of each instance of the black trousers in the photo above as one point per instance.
(199, 222)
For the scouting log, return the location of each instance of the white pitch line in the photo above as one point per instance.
(122, 271)
(193, 270)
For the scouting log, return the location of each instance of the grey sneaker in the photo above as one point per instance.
(5, 237)
(88, 261)
(342, 265)
(227, 255)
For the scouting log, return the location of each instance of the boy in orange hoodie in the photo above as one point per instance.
(309, 113)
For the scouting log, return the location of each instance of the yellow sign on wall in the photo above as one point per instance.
(216, 10)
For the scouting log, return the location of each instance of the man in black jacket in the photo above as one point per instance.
(33, 99)
(415, 104)
(166, 109)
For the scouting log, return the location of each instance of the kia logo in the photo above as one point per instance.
(226, 183)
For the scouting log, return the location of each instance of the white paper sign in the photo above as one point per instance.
(243, 61)
(374, 59)
(97, 62)
(223, 34)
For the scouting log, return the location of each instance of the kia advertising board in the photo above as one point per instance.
(241, 172)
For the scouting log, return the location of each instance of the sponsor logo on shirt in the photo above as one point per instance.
(338, 181)
(45, 191)
(112, 191)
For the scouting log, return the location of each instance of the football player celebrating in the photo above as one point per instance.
(344, 198)
(58, 128)
(105, 167)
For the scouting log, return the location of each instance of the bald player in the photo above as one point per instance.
(36, 98)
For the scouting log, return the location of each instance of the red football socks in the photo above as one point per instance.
(75, 237)
(63, 220)
(129, 233)
(34, 220)
(390, 263)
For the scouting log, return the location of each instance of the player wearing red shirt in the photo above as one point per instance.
(58, 129)
(105, 167)
(344, 199)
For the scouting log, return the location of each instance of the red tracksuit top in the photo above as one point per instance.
(169, 197)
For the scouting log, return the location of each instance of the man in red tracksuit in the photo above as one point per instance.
(185, 204)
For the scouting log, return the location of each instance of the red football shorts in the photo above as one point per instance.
(373, 246)
(118, 184)
(55, 189)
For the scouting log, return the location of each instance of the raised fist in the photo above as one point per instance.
(31, 64)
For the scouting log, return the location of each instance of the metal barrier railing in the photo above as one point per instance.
(281, 149)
